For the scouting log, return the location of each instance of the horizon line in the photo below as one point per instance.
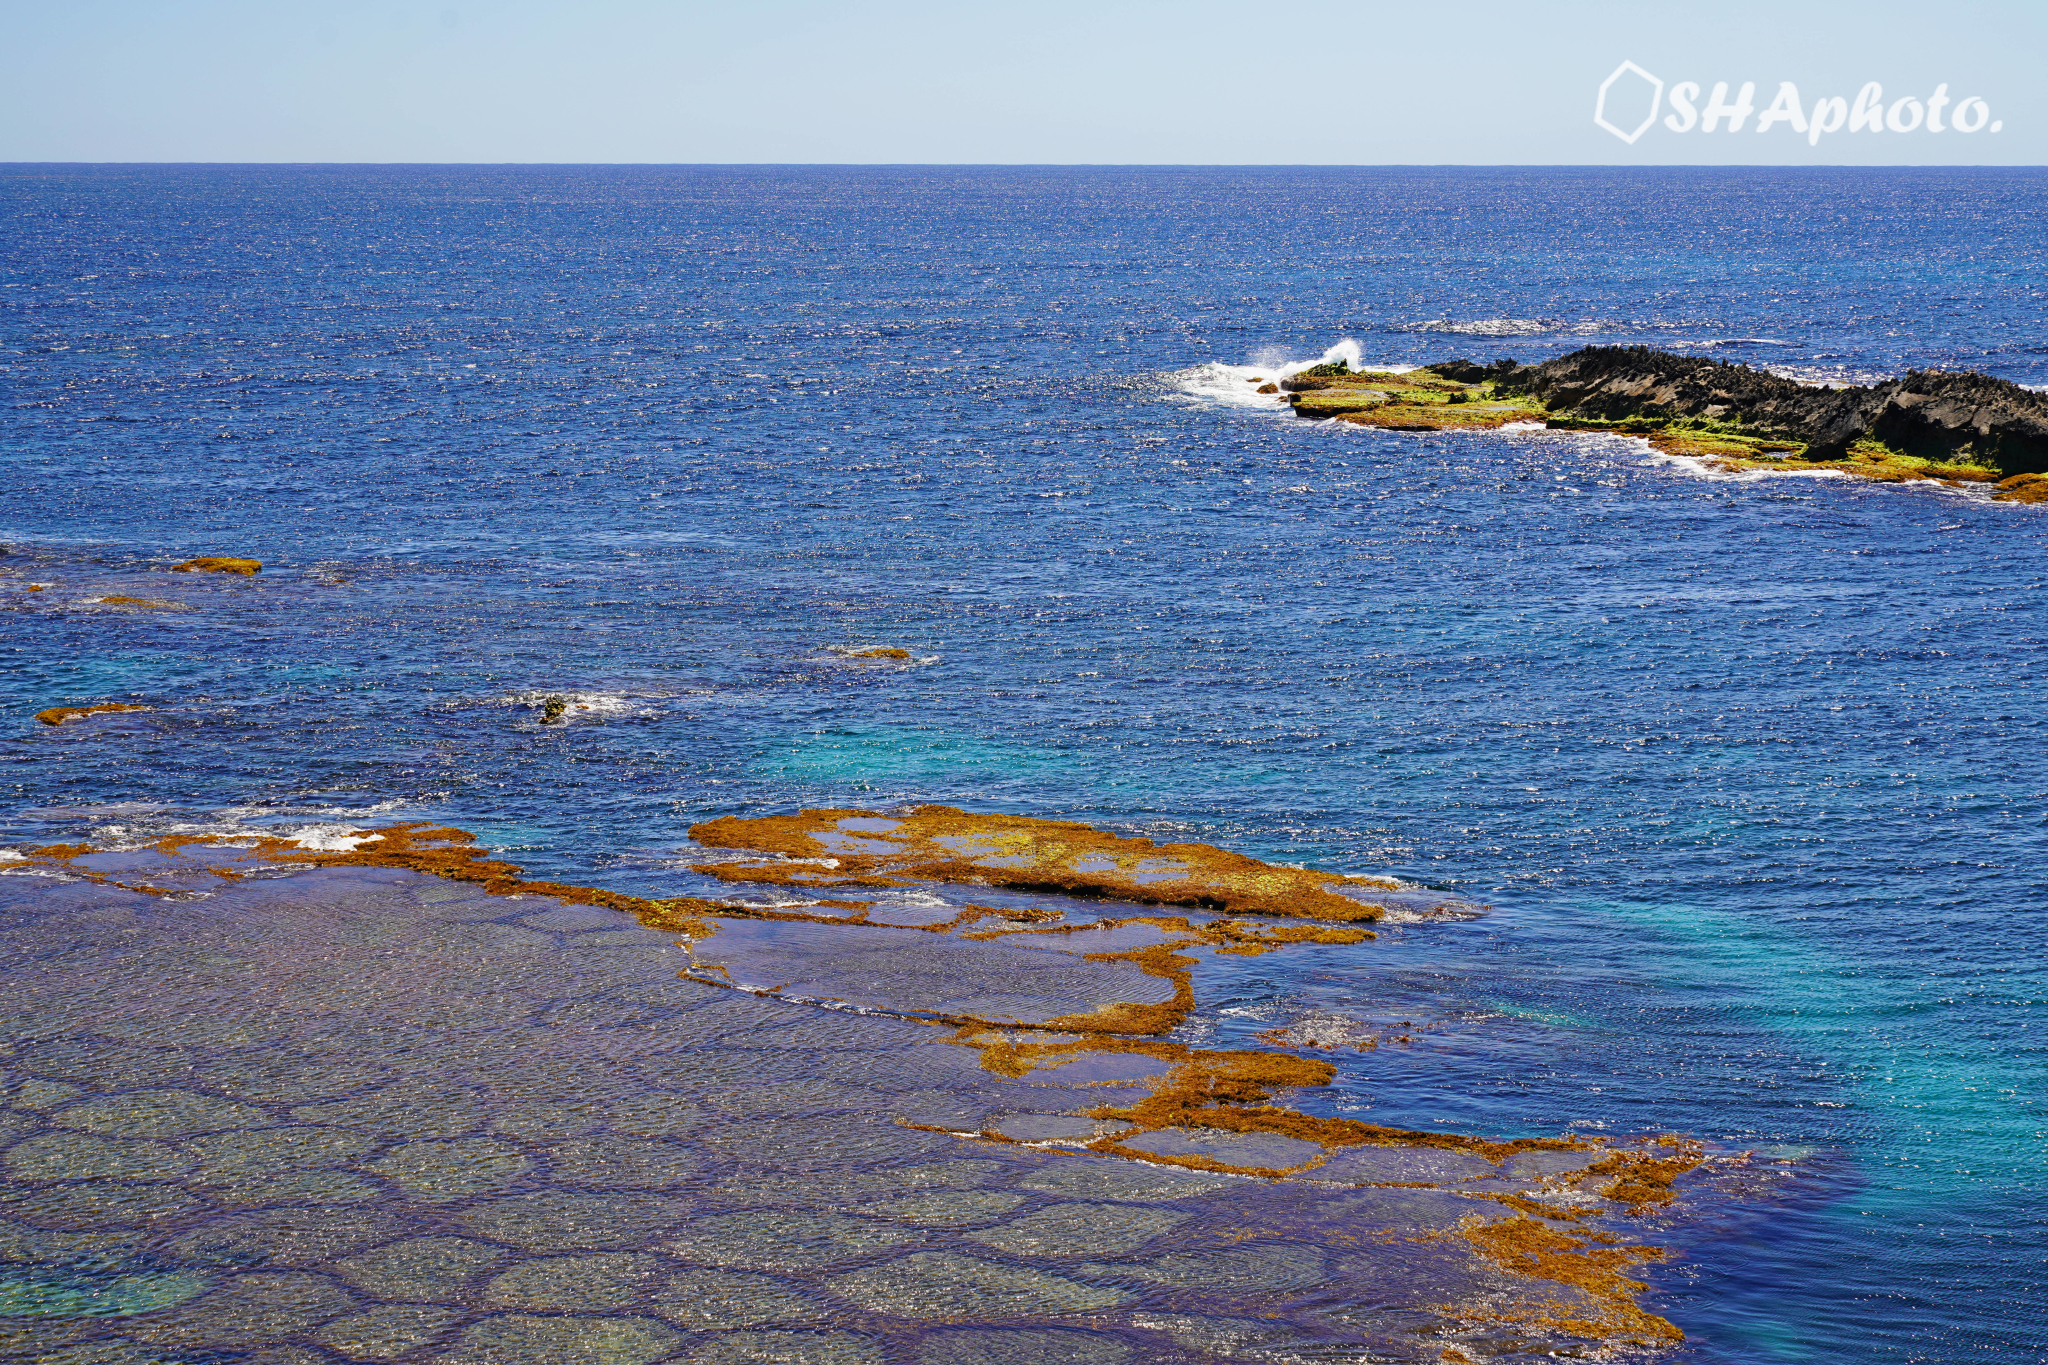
(1071, 165)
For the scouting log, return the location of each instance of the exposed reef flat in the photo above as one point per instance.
(365, 1111)
(1054, 1005)
(1930, 424)
(942, 844)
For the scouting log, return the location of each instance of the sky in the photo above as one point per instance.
(1121, 82)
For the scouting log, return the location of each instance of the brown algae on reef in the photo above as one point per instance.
(219, 564)
(911, 1153)
(943, 844)
(60, 715)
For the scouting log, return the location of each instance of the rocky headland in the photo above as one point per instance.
(1957, 427)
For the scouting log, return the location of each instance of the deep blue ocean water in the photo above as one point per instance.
(1748, 770)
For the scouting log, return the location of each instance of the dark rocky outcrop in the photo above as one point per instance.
(1929, 414)
(1466, 372)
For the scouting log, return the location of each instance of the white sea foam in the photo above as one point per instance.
(1706, 468)
(859, 656)
(326, 838)
(1238, 385)
(588, 705)
(1513, 327)
(127, 827)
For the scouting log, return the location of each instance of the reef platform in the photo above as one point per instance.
(387, 1098)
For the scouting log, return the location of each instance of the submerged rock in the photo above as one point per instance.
(219, 564)
(709, 1300)
(940, 1284)
(1029, 1346)
(60, 715)
(139, 603)
(386, 1333)
(565, 1341)
(432, 1269)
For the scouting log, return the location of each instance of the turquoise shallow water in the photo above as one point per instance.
(1747, 771)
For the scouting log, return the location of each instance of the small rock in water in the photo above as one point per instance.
(218, 564)
(59, 715)
(553, 710)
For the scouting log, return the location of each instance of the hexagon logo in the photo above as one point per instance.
(1621, 100)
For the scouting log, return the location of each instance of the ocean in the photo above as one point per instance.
(1740, 768)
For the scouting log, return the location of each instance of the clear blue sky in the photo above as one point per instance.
(923, 81)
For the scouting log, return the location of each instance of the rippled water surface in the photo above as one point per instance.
(1745, 769)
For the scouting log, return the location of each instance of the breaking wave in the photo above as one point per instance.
(1238, 385)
